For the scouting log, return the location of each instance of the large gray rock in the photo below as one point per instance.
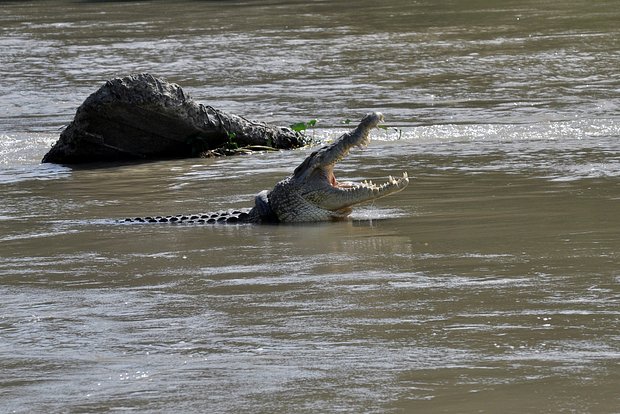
(143, 117)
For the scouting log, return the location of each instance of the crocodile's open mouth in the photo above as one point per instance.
(318, 190)
(334, 195)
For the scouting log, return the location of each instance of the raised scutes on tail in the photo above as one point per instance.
(228, 217)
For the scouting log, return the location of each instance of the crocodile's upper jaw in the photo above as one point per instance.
(313, 193)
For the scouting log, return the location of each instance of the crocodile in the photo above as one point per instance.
(310, 194)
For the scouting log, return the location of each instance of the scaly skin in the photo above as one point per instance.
(312, 193)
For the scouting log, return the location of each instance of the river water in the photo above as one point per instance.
(491, 284)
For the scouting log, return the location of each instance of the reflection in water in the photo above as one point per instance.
(490, 284)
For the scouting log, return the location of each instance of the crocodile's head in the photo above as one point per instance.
(312, 193)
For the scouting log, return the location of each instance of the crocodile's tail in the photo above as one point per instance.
(222, 217)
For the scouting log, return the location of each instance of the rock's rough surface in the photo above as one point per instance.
(143, 117)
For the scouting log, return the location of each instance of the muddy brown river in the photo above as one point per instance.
(491, 284)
